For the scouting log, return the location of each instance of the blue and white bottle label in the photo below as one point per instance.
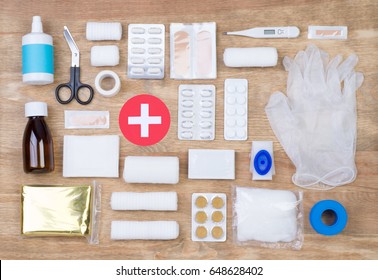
(37, 58)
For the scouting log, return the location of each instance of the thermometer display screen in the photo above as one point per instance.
(269, 32)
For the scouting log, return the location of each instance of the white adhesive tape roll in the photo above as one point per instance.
(97, 31)
(144, 230)
(250, 57)
(153, 201)
(104, 56)
(107, 74)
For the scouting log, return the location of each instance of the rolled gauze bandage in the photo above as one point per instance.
(98, 31)
(146, 230)
(151, 170)
(250, 57)
(154, 201)
(104, 56)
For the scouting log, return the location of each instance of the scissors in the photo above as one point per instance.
(74, 84)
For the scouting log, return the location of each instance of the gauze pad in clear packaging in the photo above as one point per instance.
(193, 51)
(144, 230)
(268, 218)
(150, 201)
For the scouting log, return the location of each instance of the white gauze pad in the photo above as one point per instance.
(250, 57)
(151, 170)
(154, 201)
(145, 230)
(265, 215)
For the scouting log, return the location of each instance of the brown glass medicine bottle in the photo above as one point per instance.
(38, 150)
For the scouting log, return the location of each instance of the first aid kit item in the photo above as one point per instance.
(250, 57)
(150, 201)
(58, 210)
(91, 156)
(151, 169)
(262, 160)
(328, 217)
(268, 32)
(211, 164)
(100, 31)
(193, 51)
(146, 49)
(235, 109)
(209, 217)
(37, 56)
(37, 146)
(104, 55)
(196, 112)
(107, 74)
(267, 218)
(144, 230)
(86, 119)
(328, 32)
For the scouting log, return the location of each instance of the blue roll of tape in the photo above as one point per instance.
(341, 217)
(262, 162)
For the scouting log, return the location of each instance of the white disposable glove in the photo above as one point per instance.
(316, 122)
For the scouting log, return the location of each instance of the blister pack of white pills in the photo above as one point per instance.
(196, 112)
(146, 48)
(236, 109)
(209, 217)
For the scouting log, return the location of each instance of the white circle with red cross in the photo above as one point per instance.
(144, 120)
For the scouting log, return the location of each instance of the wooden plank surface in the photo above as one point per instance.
(360, 238)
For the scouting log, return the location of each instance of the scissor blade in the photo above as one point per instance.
(74, 49)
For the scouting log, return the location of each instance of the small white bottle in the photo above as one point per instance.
(37, 56)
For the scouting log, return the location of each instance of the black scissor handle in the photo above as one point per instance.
(91, 93)
(57, 93)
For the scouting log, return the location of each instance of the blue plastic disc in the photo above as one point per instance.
(262, 162)
(341, 217)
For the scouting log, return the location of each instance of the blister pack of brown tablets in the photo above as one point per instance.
(209, 217)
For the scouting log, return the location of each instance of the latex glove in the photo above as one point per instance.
(316, 122)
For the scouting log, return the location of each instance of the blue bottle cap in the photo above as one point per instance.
(341, 217)
(262, 162)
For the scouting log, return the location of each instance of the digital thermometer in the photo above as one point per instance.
(268, 32)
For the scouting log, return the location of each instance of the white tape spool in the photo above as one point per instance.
(97, 31)
(104, 55)
(107, 74)
(144, 230)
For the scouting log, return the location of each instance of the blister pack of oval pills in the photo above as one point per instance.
(196, 112)
(236, 109)
(209, 217)
(146, 48)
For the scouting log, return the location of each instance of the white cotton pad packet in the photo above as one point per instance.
(144, 230)
(91, 156)
(152, 201)
(269, 218)
(250, 57)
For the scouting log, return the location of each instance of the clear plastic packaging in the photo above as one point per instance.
(267, 218)
(86, 119)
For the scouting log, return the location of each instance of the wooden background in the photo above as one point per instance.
(360, 238)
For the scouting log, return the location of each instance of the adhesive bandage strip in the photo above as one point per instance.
(99, 31)
(211, 164)
(151, 170)
(328, 32)
(196, 112)
(107, 74)
(250, 57)
(104, 56)
(153, 201)
(86, 119)
(236, 109)
(144, 230)
(146, 48)
(262, 160)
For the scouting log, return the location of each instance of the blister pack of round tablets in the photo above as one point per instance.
(196, 112)
(209, 217)
(236, 109)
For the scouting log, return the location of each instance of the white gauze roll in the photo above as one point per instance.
(154, 201)
(104, 56)
(151, 170)
(98, 31)
(250, 57)
(146, 230)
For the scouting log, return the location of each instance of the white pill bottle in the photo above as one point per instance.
(37, 56)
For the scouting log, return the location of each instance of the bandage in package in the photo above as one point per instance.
(86, 119)
(193, 51)
(57, 210)
(267, 218)
(150, 201)
(250, 57)
(211, 164)
(91, 156)
(146, 48)
(144, 230)
(196, 112)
